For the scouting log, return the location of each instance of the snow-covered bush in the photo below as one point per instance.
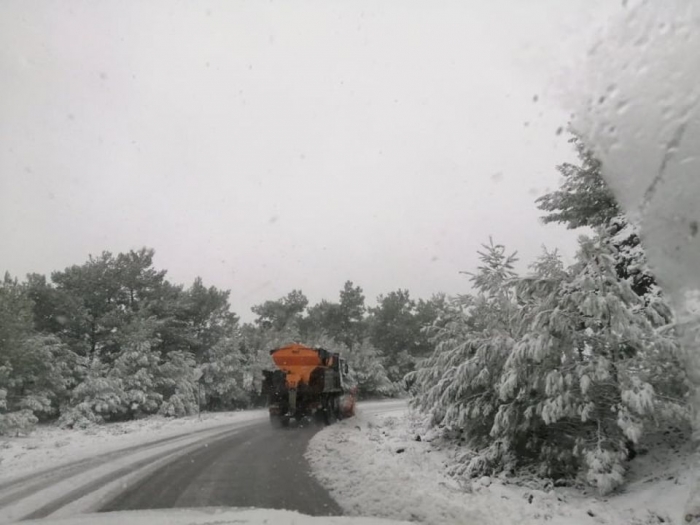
(20, 422)
(367, 372)
(136, 372)
(98, 398)
(139, 381)
(14, 423)
(81, 415)
(224, 376)
(178, 405)
(177, 385)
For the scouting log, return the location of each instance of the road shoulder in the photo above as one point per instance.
(403, 473)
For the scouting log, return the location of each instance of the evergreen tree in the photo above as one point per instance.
(429, 314)
(282, 313)
(135, 368)
(367, 373)
(399, 328)
(208, 317)
(584, 198)
(456, 384)
(321, 319)
(139, 380)
(139, 282)
(36, 370)
(177, 384)
(343, 322)
(395, 331)
(95, 294)
(351, 312)
(561, 371)
(577, 390)
(224, 376)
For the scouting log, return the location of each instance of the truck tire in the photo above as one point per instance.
(320, 416)
(331, 410)
(336, 408)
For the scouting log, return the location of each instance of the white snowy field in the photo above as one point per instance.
(373, 465)
(50, 446)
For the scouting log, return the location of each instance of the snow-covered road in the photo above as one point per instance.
(92, 468)
(231, 459)
(258, 466)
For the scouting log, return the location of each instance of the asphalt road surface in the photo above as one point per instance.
(258, 467)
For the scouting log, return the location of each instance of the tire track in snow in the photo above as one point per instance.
(42, 493)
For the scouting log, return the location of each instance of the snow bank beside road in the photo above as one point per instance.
(50, 446)
(210, 516)
(359, 461)
(373, 466)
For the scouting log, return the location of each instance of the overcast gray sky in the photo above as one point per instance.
(269, 145)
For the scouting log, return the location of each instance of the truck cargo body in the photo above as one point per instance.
(308, 382)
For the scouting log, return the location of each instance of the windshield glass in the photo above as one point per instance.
(422, 262)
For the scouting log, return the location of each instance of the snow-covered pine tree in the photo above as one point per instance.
(558, 372)
(97, 398)
(367, 372)
(584, 198)
(224, 376)
(395, 329)
(136, 367)
(137, 381)
(177, 384)
(576, 390)
(457, 384)
(664, 367)
(36, 370)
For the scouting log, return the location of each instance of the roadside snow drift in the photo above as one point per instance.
(384, 465)
(210, 516)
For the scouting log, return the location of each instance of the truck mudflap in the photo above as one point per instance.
(292, 401)
(347, 405)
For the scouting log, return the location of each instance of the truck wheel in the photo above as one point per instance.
(336, 407)
(330, 412)
(320, 416)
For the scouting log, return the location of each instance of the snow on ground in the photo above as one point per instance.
(373, 465)
(210, 516)
(50, 446)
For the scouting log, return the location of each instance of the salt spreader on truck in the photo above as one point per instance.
(308, 382)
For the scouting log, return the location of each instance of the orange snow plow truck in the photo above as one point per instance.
(308, 382)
